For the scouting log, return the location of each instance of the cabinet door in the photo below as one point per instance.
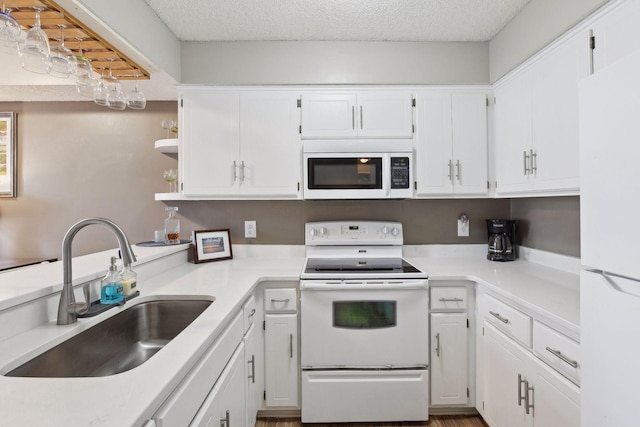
(328, 115)
(556, 400)
(555, 164)
(617, 34)
(281, 360)
(253, 365)
(503, 362)
(209, 130)
(469, 136)
(513, 134)
(449, 344)
(226, 401)
(385, 115)
(270, 150)
(434, 166)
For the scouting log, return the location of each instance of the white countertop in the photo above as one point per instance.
(132, 397)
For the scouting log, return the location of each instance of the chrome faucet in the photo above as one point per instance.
(68, 308)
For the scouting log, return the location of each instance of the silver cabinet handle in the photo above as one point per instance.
(565, 359)
(286, 300)
(451, 300)
(500, 318)
(361, 119)
(242, 171)
(226, 421)
(290, 346)
(450, 171)
(252, 376)
(353, 117)
(534, 162)
(520, 383)
(458, 170)
(525, 158)
(235, 171)
(438, 344)
(527, 403)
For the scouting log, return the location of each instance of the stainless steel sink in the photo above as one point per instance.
(117, 344)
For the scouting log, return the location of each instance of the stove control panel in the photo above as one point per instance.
(353, 233)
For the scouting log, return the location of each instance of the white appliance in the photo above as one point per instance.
(364, 326)
(358, 169)
(610, 245)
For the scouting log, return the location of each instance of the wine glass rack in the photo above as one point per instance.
(76, 35)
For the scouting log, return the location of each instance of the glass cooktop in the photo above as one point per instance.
(347, 266)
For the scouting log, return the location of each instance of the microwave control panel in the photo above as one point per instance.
(400, 172)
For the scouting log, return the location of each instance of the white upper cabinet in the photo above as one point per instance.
(451, 143)
(616, 34)
(379, 114)
(240, 144)
(536, 122)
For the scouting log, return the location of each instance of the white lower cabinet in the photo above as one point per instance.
(225, 404)
(449, 375)
(281, 360)
(520, 390)
(252, 362)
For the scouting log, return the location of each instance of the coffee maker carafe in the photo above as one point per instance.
(502, 233)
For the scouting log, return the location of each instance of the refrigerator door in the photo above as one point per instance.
(610, 340)
(610, 168)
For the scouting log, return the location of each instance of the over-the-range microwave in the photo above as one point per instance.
(358, 169)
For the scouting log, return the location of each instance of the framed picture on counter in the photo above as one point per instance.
(8, 172)
(211, 245)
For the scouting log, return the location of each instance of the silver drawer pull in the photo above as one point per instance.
(451, 300)
(286, 300)
(500, 318)
(438, 344)
(562, 357)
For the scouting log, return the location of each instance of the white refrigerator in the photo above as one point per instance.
(610, 245)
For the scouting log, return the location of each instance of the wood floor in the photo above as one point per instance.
(434, 421)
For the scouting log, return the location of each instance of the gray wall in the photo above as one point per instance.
(299, 62)
(77, 160)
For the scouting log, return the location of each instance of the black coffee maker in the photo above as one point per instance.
(502, 235)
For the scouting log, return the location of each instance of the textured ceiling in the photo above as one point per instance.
(348, 20)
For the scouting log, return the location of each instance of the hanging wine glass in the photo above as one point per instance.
(35, 54)
(135, 98)
(101, 91)
(10, 32)
(63, 61)
(116, 99)
(85, 81)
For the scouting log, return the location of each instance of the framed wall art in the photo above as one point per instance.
(211, 245)
(8, 147)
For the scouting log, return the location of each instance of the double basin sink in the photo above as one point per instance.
(117, 344)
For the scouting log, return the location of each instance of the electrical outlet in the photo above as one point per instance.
(463, 228)
(250, 230)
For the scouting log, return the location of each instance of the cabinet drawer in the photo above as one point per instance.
(449, 299)
(558, 350)
(280, 300)
(509, 320)
(182, 405)
(249, 312)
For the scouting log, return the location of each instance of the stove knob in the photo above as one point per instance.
(323, 231)
(385, 230)
(395, 231)
(313, 232)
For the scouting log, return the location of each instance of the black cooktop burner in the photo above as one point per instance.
(369, 265)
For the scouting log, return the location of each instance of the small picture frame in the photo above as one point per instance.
(8, 148)
(211, 245)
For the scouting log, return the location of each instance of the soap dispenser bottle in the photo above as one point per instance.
(172, 227)
(111, 289)
(129, 281)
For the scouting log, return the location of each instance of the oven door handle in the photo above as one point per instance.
(401, 286)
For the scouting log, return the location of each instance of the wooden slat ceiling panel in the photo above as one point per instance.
(75, 36)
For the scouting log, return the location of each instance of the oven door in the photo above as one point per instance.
(364, 325)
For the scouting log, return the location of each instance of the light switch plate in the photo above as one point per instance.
(463, 228)
(250, 231)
